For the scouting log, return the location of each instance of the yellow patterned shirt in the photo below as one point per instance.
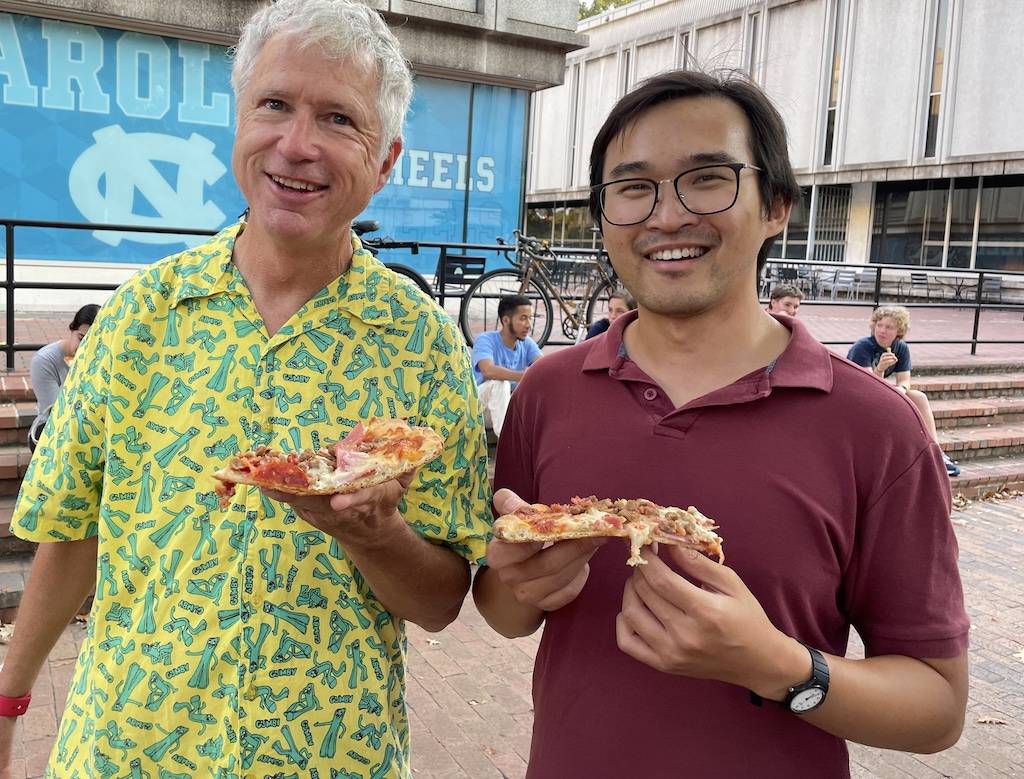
(242, 642)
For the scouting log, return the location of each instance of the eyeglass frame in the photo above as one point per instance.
(735, 167)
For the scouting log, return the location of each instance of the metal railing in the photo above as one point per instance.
(813, 278)
(967, 288)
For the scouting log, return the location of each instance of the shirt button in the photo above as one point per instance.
(650, 393)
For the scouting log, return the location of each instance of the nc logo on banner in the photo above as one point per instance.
(125, 163)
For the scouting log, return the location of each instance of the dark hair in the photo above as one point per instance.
(624, 296)
(767, 132)
(86, 315)
(786, 291)
(509, 303)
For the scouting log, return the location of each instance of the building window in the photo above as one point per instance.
(831, 111)
(627, 60)
(574, 110)
(753, 44)
(684, 51)
(953, 223)
(931, 136)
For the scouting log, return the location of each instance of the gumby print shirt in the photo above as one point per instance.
(241, 642)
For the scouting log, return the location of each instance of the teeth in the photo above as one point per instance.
(296, 184)
(678, 254)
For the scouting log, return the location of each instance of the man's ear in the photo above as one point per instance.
(388, 164)
(777, 216)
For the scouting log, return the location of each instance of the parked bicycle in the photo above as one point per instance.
(533, 275)
(374, 245)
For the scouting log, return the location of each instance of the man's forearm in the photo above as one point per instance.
(62, 576)
(412, 578)
(498, 605)
(497, 373)
(894, 702)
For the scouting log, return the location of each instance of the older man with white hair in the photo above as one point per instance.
(266, 637)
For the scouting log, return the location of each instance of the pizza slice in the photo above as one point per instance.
(372, 453)
(641, 521)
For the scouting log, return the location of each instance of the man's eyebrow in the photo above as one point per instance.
(626, 168)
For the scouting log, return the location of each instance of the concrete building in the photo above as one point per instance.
(905, 119)
(121, 111)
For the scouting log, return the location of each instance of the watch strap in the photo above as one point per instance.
(819, 677)
(14, 707)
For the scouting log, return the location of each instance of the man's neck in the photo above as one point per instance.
(692, 356)
(509, 339)
(282, 279)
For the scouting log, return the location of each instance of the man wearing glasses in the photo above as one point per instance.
(682, 666)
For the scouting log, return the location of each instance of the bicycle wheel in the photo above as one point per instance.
(597, 306)
(479, 311)
(409, 273)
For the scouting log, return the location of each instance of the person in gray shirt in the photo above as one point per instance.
(49, 367)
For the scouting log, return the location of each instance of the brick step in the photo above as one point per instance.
(960, 366)
(15, 420)
(976, 443)
(16, 388)
(994, 474)
(14, 459)
(954, 387)
(977, 412)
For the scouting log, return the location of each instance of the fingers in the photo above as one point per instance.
(506, 501)
(548, 578)
(712, 575)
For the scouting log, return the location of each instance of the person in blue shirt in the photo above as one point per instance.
(885, 354)
(501, 357)
(618, 304)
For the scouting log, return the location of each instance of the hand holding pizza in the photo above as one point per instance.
(357, 519)
(887, 360)
(546, 578)
(714, 629)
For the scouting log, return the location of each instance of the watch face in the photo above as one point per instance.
(805, 700)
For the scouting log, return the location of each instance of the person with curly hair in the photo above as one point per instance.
(885, 354)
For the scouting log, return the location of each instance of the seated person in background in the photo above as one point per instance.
(49, 367)
(501, 357)
(619, 303)
(785, 299)
(885, 353)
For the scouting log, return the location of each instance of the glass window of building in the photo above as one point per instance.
(935, 91)
(832, 110)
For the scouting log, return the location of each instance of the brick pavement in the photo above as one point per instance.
(469, 689)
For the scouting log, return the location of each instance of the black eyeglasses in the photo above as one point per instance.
(709, 189)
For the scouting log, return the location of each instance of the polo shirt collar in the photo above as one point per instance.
(805, 362)
(207, 270)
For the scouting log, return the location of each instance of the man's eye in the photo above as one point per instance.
(273, 105)
(341, 119)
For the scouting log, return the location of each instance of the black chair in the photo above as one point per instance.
(919, 281)
(455, 272)
(992, 289)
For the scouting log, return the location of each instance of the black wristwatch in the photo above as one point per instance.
(809, 695)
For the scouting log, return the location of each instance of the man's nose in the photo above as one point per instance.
(669, 214)
(298, 138)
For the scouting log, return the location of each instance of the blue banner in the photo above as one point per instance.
(103, 125)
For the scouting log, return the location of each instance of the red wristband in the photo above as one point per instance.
(14, 707)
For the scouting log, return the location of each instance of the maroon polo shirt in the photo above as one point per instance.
(834, 506)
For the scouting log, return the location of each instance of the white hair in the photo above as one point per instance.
(344, 29)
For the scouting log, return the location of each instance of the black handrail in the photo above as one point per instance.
(10, 346)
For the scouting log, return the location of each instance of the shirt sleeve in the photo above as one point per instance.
(902, 586)
(860, 354)
(483, 349)
(45, 381)
(902, 357)
(449, 501)
(60, 494)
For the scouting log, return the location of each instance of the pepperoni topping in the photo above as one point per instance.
(286, 472)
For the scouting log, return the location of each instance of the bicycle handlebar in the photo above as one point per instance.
(387, 243)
